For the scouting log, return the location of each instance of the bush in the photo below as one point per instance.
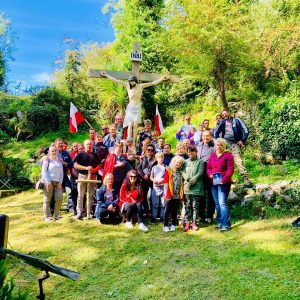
(280, 127)
(6, 288)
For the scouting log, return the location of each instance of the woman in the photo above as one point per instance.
(107, 209)
(202, 127)
(131, 198)
(52, 176)
(116, 164)
(220, 168)
(181, 151)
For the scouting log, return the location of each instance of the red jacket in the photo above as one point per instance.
(224, 164)
(136, 194)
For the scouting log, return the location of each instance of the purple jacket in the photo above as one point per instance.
(224, 164)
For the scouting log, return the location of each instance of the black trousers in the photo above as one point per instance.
(171, 211)
(109, 217)
(134, 209)
(210, 203)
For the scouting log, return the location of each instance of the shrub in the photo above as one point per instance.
(280, 127)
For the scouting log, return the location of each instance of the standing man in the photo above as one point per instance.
(235, 132)
(185, 129)
(86, 162)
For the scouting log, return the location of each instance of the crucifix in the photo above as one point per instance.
(134, 88)
(88, 181)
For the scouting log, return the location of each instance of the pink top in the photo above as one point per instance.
(224, 164)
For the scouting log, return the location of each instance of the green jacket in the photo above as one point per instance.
(193, 177)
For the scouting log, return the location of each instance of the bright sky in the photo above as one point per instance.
(42, 25)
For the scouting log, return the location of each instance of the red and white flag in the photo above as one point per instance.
(75, 118)
(158, 122)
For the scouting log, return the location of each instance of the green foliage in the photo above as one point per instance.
(280, 127)
(6, 288)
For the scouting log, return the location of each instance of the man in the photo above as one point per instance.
(86, 163)
(119, 125)
(235, 132)
(160, 145)
(105, 130)
(92, 134)
(185, 129)
(218, 122)
(67, 162)
(111, 138)
(133, 109)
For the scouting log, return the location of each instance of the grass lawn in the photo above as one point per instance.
(256, 260)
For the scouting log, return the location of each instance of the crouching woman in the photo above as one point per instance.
(220, 168)
(131, 198)
(107, 209)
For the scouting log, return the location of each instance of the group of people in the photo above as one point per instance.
(147, 181)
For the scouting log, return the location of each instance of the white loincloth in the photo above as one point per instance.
(132, 114)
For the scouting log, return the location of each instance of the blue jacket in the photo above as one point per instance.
(101, 197)
(240, 130)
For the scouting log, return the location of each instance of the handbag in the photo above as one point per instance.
(40, 185)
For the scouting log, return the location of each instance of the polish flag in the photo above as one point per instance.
(75, 118)
(158, 122)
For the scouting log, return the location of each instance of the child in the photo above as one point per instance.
(173, 192)
(193, 188)
(157, 177)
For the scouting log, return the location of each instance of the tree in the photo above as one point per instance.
(211, 40)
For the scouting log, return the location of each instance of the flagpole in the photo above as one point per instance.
(88, 123)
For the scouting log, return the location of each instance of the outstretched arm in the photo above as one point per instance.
(148, 84)
(105, 74)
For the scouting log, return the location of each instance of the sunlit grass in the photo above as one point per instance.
(256, 260)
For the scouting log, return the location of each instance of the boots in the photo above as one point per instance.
(194, 226)
(186, 227)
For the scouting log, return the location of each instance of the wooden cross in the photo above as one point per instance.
(88, 181)
(136, 57)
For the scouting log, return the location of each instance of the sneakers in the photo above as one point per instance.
(79, 217)
(186, 227)
(218, 226)
(209, 221)
(223, 229)
(57, 217)
(128, 225)
(48, 219)
(143, 227)
(172, 228)
(194, 226)
(166, 229)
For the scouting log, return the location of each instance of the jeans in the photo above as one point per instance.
(156, 204)
(220, 193)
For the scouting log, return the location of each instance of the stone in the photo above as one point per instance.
(260, 187)
(232, 198)
(279, 186)
(248, 199)
(250, 191)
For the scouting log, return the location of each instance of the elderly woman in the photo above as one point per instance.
(52, 176)
(107, 209)
(220, 168)
(131, 198)
(181, 150)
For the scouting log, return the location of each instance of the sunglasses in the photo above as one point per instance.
(133, 177)
(150, 150)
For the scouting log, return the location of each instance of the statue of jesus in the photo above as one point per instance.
(133, 109)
